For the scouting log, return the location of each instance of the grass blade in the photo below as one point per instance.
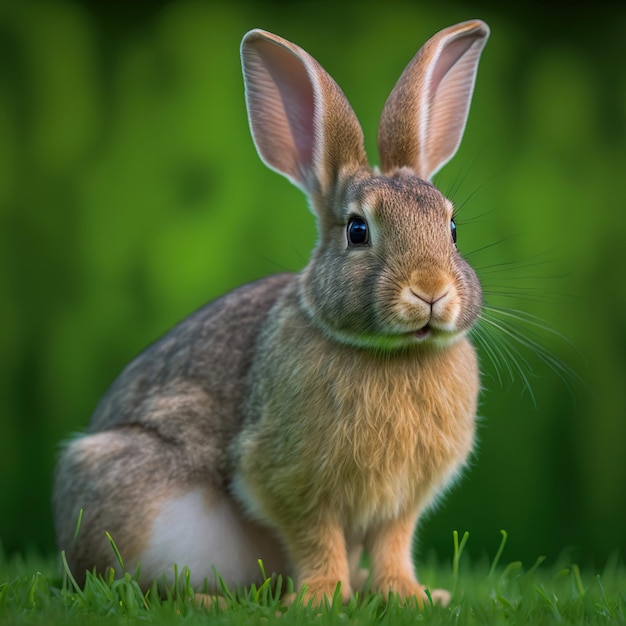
(496, 558)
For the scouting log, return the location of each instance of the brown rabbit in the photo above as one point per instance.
(305, 416)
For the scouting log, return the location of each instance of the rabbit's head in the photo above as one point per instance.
(385, 272)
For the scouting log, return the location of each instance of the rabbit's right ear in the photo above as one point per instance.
(424, 117)
(301, 123)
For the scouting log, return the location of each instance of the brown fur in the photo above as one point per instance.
(325, 409)
(352, 443)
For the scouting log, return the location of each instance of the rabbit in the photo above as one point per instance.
(304, 417)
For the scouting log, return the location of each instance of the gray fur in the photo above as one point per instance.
(165, 423)
(326, 409)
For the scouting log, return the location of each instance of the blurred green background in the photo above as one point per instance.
(130, 194)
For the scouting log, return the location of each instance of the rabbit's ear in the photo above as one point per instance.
(301, 123)
(424, 117)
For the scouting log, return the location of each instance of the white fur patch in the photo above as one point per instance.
(191, 531)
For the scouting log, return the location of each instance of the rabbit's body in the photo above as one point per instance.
(304, 416)
(339, 449)
(162, 432)
(364, 435)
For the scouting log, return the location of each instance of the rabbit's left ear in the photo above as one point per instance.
(424, 117)
(301, 123)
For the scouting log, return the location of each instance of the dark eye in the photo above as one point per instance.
(358, 234)
(453, 230)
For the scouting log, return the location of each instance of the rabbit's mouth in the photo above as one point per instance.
(434, 334)
(424, 332)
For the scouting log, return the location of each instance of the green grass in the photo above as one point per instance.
(33, 592)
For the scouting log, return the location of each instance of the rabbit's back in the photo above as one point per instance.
(201, 364)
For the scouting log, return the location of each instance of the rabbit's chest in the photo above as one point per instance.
(394, 438)
(363, 438)
(396, 447)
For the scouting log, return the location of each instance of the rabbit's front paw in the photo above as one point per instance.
(440, 596)
(412, 592)
(206, 601)
(319, 591)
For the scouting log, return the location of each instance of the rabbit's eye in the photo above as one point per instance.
(358, 234)
(453, 230)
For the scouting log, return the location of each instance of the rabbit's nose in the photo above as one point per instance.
(436, 305)
(429, 298)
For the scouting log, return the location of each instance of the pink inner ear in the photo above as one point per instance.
(301, 123)
(449, 56)
(298, 101)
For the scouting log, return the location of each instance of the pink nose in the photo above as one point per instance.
(429, 299)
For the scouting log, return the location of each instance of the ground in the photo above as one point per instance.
(33, 591)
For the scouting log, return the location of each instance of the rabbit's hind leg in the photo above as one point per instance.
(207, 533)
(107, 482)
(132, 485)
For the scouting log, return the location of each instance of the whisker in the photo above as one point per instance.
(533, 320)
(521, 292)
(490, 352)
(517, 266)
(531, 341)
(487, 246)
(460, 179)
(515, 360)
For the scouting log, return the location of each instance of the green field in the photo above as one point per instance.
(131, 194)
(489, 592)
